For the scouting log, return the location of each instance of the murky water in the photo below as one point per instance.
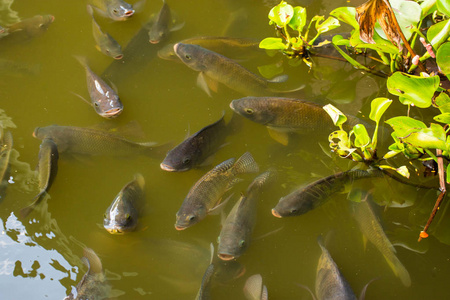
(40, 256)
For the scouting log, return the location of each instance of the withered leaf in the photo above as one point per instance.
(372, 11)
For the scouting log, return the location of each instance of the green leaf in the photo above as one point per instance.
(378, 107)
(413, 89)
(336, 115)
(362, 138)
(443, 58)
(380, 44)
(402, 170)
(271, 70)
(443, 6)
(272, 44)
(281, 14)
(404, 126)
(298, 21)
(327, 25)
(448, 173)
(391, 154)
(407, 14)
(439, 33)
(443, 103)
(428, 7)
(346, 15)
(337, 41)
(443, 118)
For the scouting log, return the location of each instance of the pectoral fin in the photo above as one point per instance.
(207, 84)
(216, 209)
(280, 137)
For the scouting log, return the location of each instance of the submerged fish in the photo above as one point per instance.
(105, 42)
(117, 10)
(5, 154)
(372, 230)
(206, 194)
(330, 283)
(204, 293)
(218, 68)
(163, 24)
(13, 68)
(47, 169)
(227, 46)
(317, 193)
(93, 285)
(237, 229)
(89, 141)
(32, 27)
(254, 288)
(284, 115)
(122, 215)
(104, 99)
(194, 150)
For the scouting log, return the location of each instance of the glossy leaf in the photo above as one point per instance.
(281, 14)
(378, 107)
(443, 118)
(380, 44)
(443, 59)
(327, 25)
(443, 6)
(443, 103)
(336, 115)
(339, 41)
(346, 15)
(298, 21)
(448, 173)
(428, 7)
(439, 33)
(413, 89)
(272, 43)
(362, 138)
(403, 126)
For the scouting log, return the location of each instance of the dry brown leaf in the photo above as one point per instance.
(378, 10)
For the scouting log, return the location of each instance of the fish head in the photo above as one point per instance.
(190, 216)
(109, 106)
(178, 159)
(292, 205)
(39, 24)
(120, 216)
(111, 48)
(156, 34)
(231, 245)
(191, 55)
(254, 109)
(167, 53)
(120, 10)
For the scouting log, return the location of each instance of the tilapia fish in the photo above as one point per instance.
(317, 193)
(330, 283)
(104, 99)
(235, 236)
(372, 230)
(47, 168)
(214, 68)
(204, 293)
(89, 141)
(32, 27)
(93, 285)
(163, 24)
(117, 10)
(194, 150)
(207, 193)
(122, 215)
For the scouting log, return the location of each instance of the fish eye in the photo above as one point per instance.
(294, 210)
(96, 104)
(41, 25)
(127, 217)
(105, 215)
(186, 160)
(191, 218)
(115, 11)
(249, 111)
(242, 243)
(188, 57)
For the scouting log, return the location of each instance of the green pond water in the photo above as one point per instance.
(40, 255)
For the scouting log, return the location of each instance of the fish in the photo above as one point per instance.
(227, 46)
(13, 68)
(6, 140)
(311, 196)
(47, 170)
(93, 285)
(32, 27)
(284, 115)
(197, 148)
(90, 141)
(117, 10)
(122, 215)
(330, 283)
(104, 99)
(163, 24)
(218, 68)
(207, 192)
(235, 236)
(373, 231)
(254, 288)
(105, 42)
(204, 293)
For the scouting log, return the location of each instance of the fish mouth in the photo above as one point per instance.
(166, 167)
(232, 105)
(275, 213)
(179, 228)
(112, 113)
(114, 230)
(35, 132)
(129, 13)
(175, 47)
(120, 56)
(153, 41)
(225, 257)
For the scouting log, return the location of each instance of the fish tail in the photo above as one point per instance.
(24, 212)
(399, 269)
(82, 60)
(95, 264)
(140, 180)
(246, 164)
